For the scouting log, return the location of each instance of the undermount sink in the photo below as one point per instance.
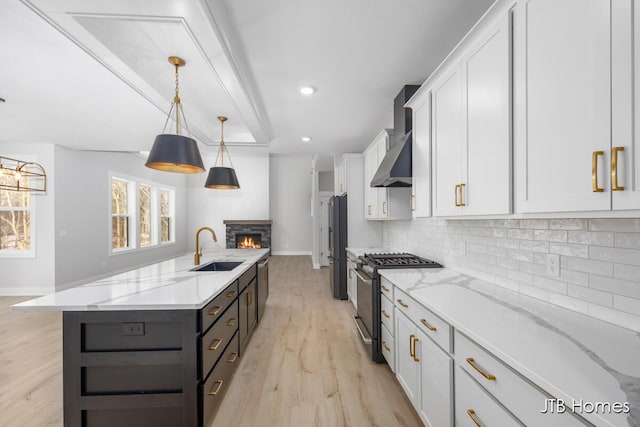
(218, 266)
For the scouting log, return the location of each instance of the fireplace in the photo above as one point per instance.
(248, 234)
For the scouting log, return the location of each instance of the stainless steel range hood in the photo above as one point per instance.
(395, 169)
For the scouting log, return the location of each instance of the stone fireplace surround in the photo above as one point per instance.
(234, 227)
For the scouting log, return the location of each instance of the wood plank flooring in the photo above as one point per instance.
(304, 365)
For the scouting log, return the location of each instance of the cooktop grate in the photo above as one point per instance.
(400, 260)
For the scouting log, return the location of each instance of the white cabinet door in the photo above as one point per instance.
(447, 128)
(407, 369)
(370, 194)
(436, 377)
(421, 157)
(382, 144)
(487, 67)
(562, 120)
(625, 96)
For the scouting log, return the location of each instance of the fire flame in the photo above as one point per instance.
(248, 243)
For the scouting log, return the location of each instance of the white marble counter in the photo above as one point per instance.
(167, 285)
(361, 251)
(568, 354)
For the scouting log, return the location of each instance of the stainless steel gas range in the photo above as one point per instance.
(367, 318)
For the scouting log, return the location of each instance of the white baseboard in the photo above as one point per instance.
(26, 291)
(316, 266)
(308, 253)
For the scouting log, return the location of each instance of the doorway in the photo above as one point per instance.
(324, 228)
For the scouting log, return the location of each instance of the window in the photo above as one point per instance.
(141, 215)
(16, 219)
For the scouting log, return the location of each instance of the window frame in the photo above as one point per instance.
(171, 216)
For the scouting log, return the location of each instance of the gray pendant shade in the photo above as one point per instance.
(175, 153)
(222, 178)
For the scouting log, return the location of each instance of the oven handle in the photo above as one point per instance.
(365, 339)
(368, 281)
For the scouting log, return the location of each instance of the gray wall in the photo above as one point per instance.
(325, 181)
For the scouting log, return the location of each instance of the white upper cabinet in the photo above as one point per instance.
(421, 155)
(370, 167)
(471, 127)
(562, 114)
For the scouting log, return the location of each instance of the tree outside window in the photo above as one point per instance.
(15, 217)
(146, 226)
(119, 214)
(165, 216)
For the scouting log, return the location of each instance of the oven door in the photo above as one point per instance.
(364, 317)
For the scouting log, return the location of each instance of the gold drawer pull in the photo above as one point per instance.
(384, 288)
(614, 168)
(213, 393)
(472, 415)
(384, 208)
(384, 313)
(233, 358)
(415, 358)
(411, 348)
(231, 321)
(429, 327)
(473, 364)
(231, 294)
(594, 171)
(368, 209)
(249, 297)
(386, 347)
(215, 311)
(455, 194)
(215, 347)
(411, 205)
(402, 304)
(462, 195)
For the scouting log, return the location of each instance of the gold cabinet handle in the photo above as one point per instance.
(249, 297)
(212, 347)
(233, 357)
(472, 415)
(213, 393)
(411, 348)
(231, 321)
(475, 366)
(429, 327)
(384, 207)
(385, 314)
(231, 294)
(415, 358)
(455, 194)
(594, 171)
(614, 169)
(461, 195)
(215, 311)
(384, 288)
(412, 206)
(402, 303)
(368, 209)
(386, 347)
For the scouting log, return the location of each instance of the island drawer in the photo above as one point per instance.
(214, 342)
(247, 277)
(216, 385)
(214, 309)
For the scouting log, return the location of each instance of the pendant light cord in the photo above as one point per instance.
(223, 148)
(178, 106)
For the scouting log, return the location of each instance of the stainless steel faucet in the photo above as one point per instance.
(196, 258)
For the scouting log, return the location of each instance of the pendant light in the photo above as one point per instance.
(221, 177)
(175, 152)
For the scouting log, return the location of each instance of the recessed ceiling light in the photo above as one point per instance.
(307, 90)
(306, 138)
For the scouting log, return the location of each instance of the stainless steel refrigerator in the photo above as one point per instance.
(337, 245)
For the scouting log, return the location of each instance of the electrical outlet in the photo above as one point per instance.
(553, 265)
(133, 329)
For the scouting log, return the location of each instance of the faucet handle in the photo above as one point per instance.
(200, 251)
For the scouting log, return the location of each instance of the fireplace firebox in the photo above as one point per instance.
(248, 240)
(246, 234)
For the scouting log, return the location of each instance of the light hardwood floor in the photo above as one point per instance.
(304, 365)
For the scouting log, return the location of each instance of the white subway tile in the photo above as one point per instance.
(500, 232)
(511, 264)
(550, 284)
(480, 249)
(540, 258)
(615, 316)
(520, 255)
(615, 224)
(628, 240)
(534, 246)
(508, 283)
(528, 267)
(591, 295)
(569, 249)
(534, 292)
(626, 272)
(615, 286)
(508, 223)
(574, 277)
(520, 276)
(568, 224)
(630, 305)
(520, 234)
(570, 303)
(550, 235)
(587, 266)
(617, 255)
(600, 238)
(536, 224)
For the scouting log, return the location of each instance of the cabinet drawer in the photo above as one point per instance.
(518, 395)
(247, 277)
(433, 326)
(214, 309)
(386, 288)
(475, 407)
(213, 390)
(215, 341)
(386, 312)
(388, 348)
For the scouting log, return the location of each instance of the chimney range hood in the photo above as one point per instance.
(395, 168)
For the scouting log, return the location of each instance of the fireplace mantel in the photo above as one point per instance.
(247, 222)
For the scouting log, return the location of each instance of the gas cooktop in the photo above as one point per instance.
(399, 260)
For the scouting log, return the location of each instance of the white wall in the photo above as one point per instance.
(36, 275)
(325, 181)
(209, 207)
(83, 213)
(290, 187)
(599, 258)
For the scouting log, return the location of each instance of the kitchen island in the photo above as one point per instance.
(156, 345)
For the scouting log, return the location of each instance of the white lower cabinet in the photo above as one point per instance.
(407, 370)
(389, 348)
(352, 283)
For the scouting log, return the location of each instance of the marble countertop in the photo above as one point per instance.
(361, 251)
(167, 285)
(568, 354)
